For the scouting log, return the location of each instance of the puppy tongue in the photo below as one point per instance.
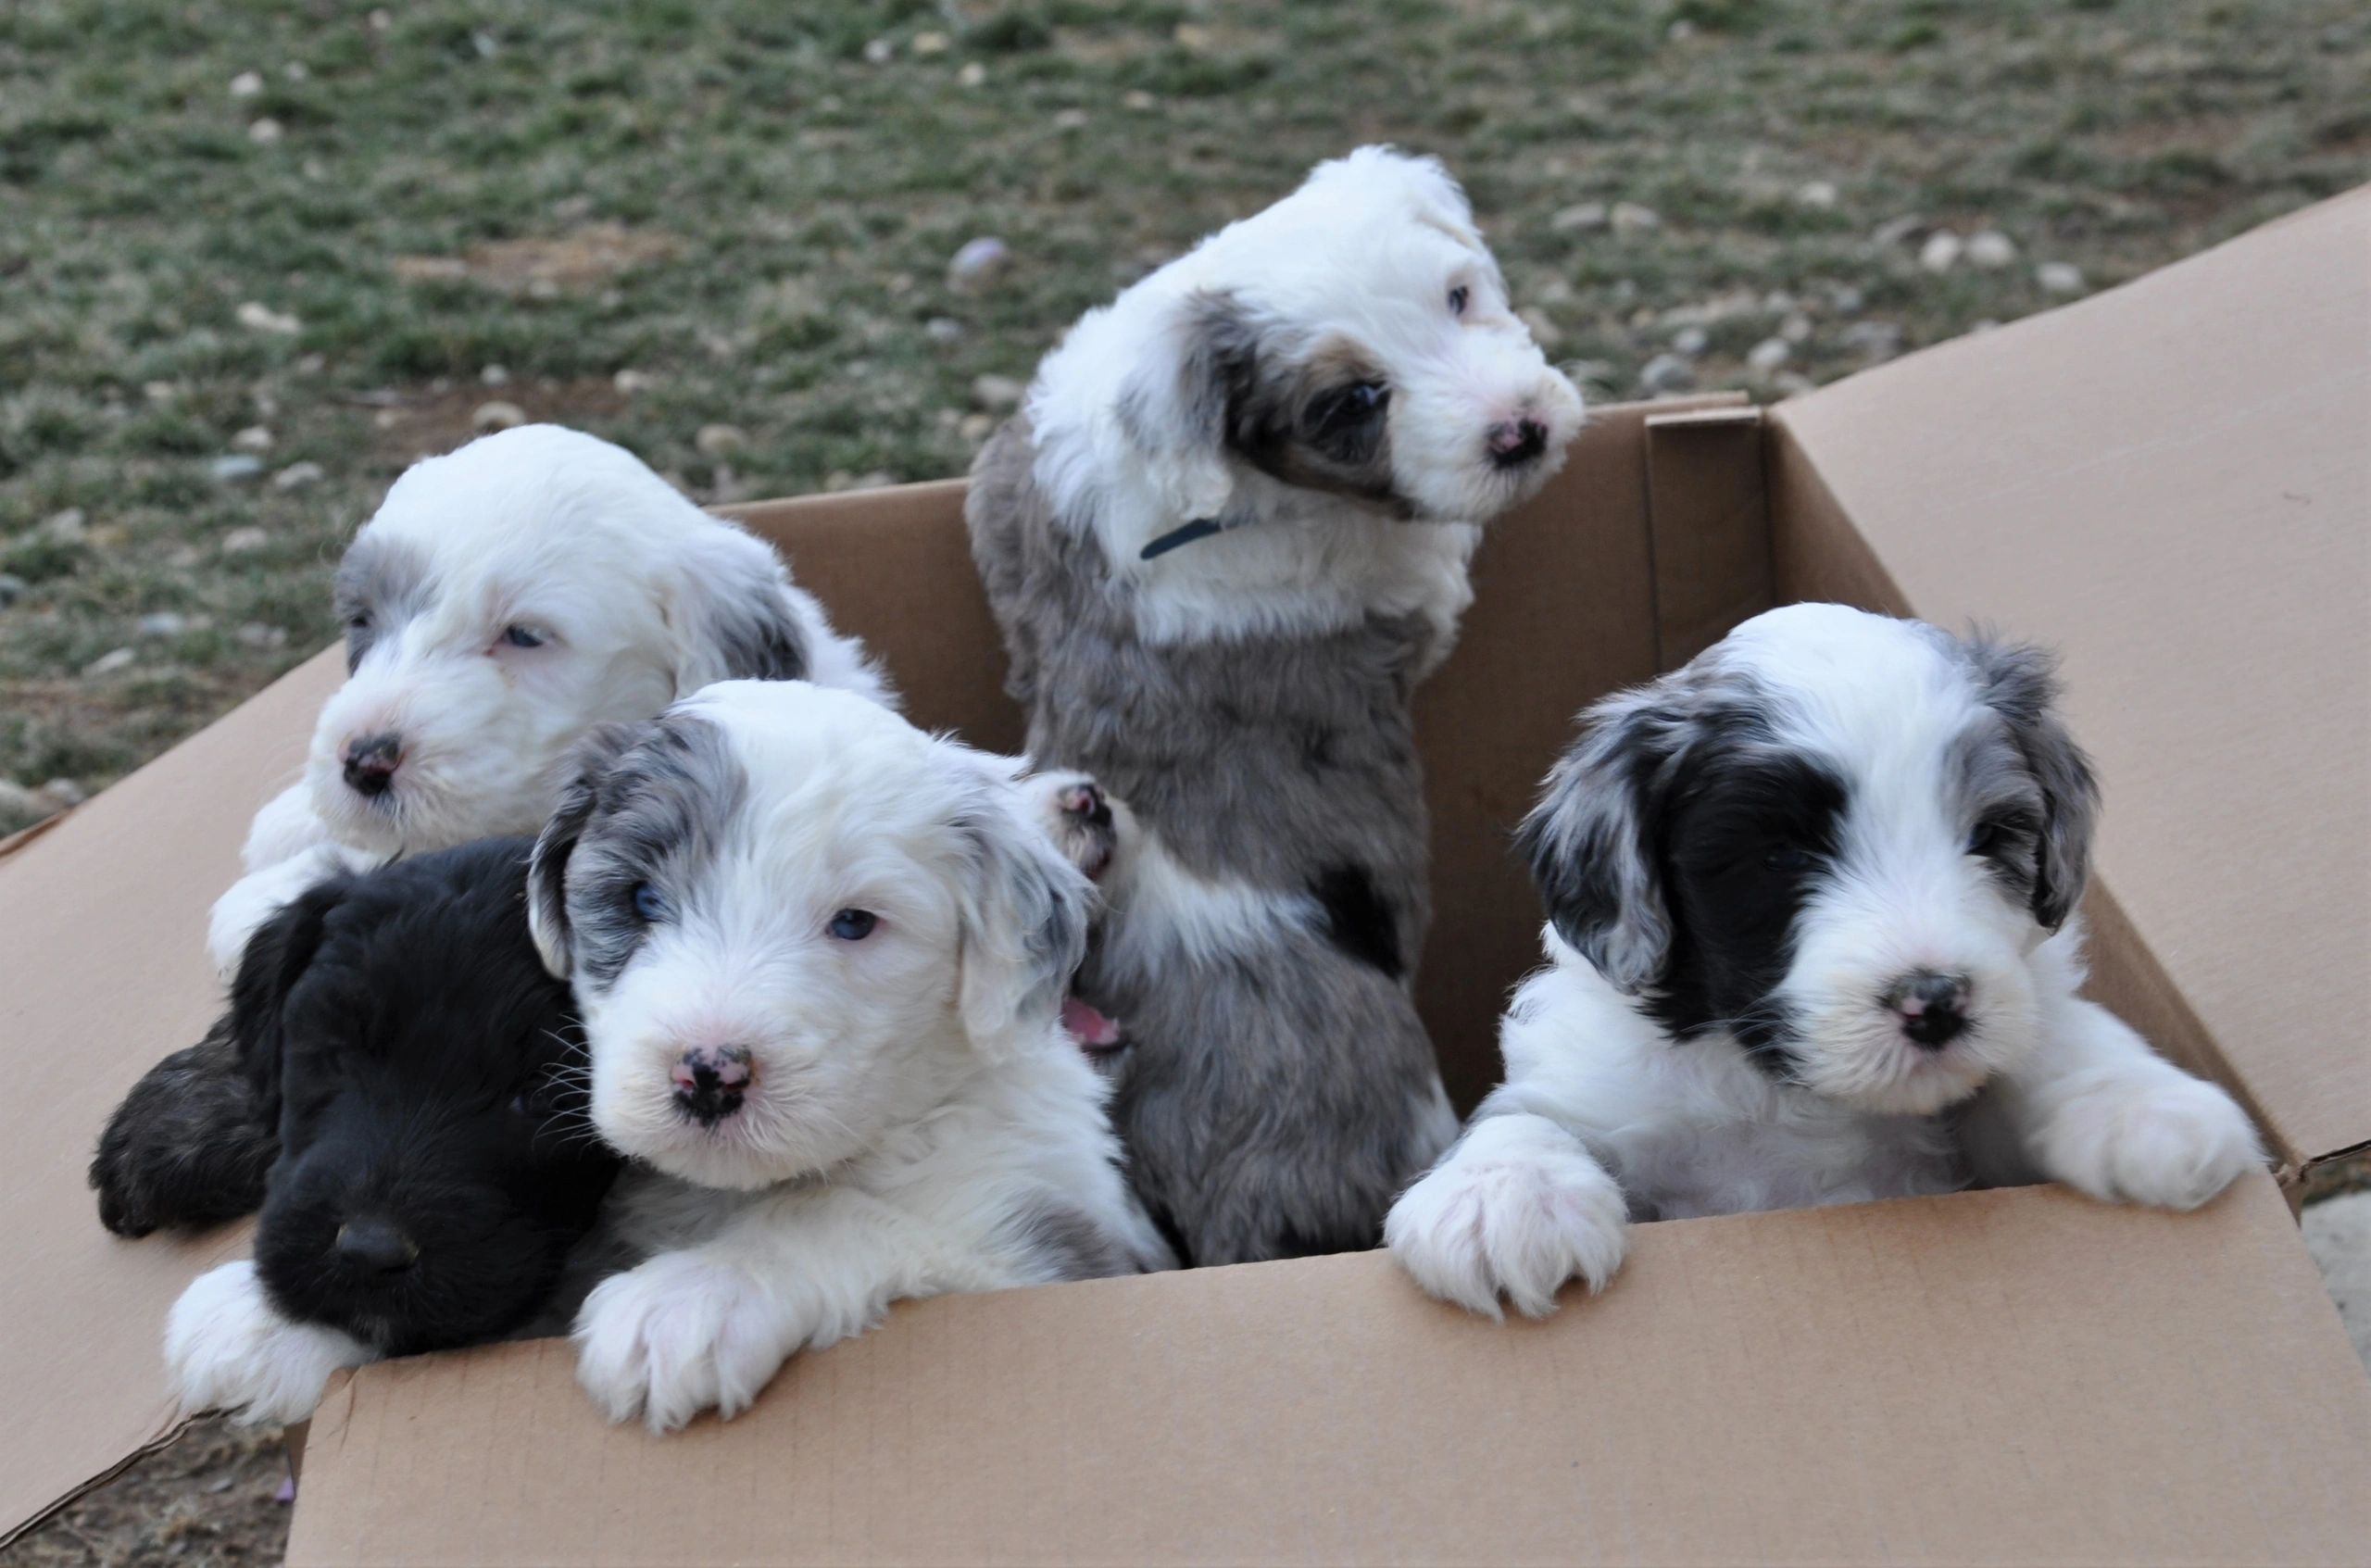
(1088, 1027)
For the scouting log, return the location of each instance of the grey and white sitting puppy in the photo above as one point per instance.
(1225, 540)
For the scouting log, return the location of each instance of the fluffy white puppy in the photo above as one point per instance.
(505, 599)
(1813, 941)
(820, 957)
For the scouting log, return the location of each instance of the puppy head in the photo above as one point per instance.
(1354, 339)
(505, 599)
(1836, 837)
(794, 922)
(435, 1164)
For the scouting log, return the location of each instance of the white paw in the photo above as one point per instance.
(1515, 1210)
(228, 1348)
(679, 1334)
(1089, 826)
(2169, 1140)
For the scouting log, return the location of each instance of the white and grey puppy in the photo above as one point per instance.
(1813, 940)
(1224, 541)
(505, 599)
(820, 959)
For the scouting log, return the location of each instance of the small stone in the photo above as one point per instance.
(259, 317)
(1991, 249)
(12, 588)
(1579, 216)
(1768, 355)
(717, 442)
(109, 663)
(296, 70)
(1893, 230)
(1136, 98)
(631, 382)
(2059, 277)
(297, 476)
(494, 375)
(1667, 372)
(1791, 384)
(63, 793)
(1629, 217)
(380, 21)
(266, 132)
(159, 391)
(260, 636)
(1846, 299)
(543, 288)
(241, 541)
(246, 84)
(1680, 31)
(943, 329)
(1876, 340)
(67, 527)
(1796, 328)
(485, 44)
(976, 428)
(973, 74)
(978, 265)
(929, 43)
(255, 438)
(239, 468)
(21, 804)
(497, 415)
(880, 51)
(997, 394)
(1070, 119)
(164, 624)
(1941, 251)
(1192, 37)
(1816, 194)
(1691, 341)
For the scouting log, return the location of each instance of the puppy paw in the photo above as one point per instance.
(228, 1348)
(2169, 1141)
(1084, 821)
(1515, 1210)
(679, 1334)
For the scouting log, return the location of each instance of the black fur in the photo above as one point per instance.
(1357, 921)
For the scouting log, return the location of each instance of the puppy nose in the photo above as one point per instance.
(371, 762)
(1516, 442)
(709, 1083)
(376, 1247)
(1932, 1007)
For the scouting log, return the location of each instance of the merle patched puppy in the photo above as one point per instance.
(821, 958)
(415, 1087)
(505, 599)
(1813, 940)
(1224, 541)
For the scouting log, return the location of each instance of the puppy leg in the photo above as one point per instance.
(1089, 826)
(1516, 1208)
(255, 897)
(188, 1147)
(2100, 1111)
(226, 1348)
(287, 825)
(707, 1327)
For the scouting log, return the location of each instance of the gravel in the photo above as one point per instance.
(1991, 250)
(2059, 277)
(238, 468)
(2337, 1232)
(1667, 373)
(977, 266)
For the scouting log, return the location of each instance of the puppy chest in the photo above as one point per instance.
(1742, 1167)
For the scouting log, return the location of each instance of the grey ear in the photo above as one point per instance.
(2019, 681)
(548, 863)
(1023, 910)
(1588, 840)
(734, 615)
(1173, 407)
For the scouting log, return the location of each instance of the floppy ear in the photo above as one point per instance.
(547, 862)
(1173, 407)
(732, 613)
(1023, 912)
(1587, 842)
(2019, 681)
(275, 959)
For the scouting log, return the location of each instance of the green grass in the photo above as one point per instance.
(747, 204)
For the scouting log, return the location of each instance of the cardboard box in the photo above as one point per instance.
(2171, 481)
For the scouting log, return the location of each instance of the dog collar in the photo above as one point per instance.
(1201, 528)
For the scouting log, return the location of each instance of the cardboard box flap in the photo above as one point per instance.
(2007, 1376)
(2172, 482)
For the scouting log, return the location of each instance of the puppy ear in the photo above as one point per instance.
(1588, 840)
(547, 862)
(1023, 910)
(275, 959)
(734, 614)
(1173, 407)
(2019, 681)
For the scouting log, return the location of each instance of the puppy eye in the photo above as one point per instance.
(1458, 298)
(853, 925)
(522, 637)
(1789, 859)
(358, 621)
(647, 902)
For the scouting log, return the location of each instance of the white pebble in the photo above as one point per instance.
(241, 541)
(1816, 193)
(1941, 251)
(497, 415)
(1991, 249)
(978, 264)
(2059, 277)
(1768, 355)
(716, 442)
(259, 317)
(297, 476)
(246, 84)
(1629, 217)
(64, 793)
(255, 438)
(266, 132)
(1691, 341)
(997, 394)
(494, 375)
(109, 663)
(164, 624)
(1578, 216)
(1667, 372)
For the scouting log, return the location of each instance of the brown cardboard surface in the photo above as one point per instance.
(1992, 1377)
(2172, 482)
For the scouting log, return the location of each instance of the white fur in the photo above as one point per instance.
(226, 1348)
(913, 1097)
(546, 528)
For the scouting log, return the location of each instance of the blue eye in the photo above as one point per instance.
(852, 926)
(648, 903)
(523, 636)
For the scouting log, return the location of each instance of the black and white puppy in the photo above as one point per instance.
(1224, 542)
(1813, 940)
(417, 1079)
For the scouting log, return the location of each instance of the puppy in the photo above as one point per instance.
(1224, 541)
(505, 599)
(418, 1078)
(1813, 940)
(820, 957)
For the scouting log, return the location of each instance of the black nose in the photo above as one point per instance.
(1516, 442)
(370, 762)
(709, 1083)
(375, 1247)
(1933, 1007)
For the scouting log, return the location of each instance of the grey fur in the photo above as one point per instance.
(1273, 1103)
(738, 620)
(2019, 681)
(381, 583)
(1068, 1245)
